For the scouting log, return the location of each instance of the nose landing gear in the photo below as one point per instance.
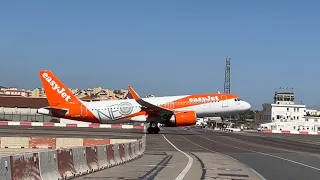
(153, 128)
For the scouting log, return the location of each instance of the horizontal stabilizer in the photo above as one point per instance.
(49, 110)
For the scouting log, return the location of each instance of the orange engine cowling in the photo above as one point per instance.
(186, 118)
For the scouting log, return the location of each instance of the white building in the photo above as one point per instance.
(313, 112)
(284, 114)
(283, 109)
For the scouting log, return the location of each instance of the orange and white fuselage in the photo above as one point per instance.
(183, 108)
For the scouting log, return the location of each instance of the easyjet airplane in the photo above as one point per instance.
(171, 111)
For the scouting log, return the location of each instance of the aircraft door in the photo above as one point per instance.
(83, 110)
(224, 101)
(169, 105)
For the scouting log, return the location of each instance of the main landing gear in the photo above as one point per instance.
(153, 128)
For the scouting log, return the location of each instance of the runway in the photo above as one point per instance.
(268, 156)
(70, 132)
(295, 137)
(178, 153)
(273, 156)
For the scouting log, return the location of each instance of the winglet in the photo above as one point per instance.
(147, 105)
(133, 93)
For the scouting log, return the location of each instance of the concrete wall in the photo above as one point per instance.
(22, 114)
(18, 110)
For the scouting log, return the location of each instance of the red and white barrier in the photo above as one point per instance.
(86, 125)
(68, 163)
(290, 132)
(50, 143)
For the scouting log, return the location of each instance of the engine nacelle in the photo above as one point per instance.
(186, 118)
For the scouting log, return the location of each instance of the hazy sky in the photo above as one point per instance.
(165, 47)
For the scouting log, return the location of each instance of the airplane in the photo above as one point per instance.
(171, 111)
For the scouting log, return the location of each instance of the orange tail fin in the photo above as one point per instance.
(58, 94)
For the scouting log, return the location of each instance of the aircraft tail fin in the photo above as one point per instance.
(58, 94)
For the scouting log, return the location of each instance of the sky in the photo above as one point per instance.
(165, 47)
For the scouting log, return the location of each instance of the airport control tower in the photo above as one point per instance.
(284, 96)
(283, 108)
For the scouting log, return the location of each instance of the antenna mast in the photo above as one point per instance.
(227, 76)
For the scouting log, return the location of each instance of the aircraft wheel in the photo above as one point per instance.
(156, 130)
(150, 130)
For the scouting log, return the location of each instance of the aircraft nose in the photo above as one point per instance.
(246, 105)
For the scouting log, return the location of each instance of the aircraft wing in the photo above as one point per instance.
(150, 108)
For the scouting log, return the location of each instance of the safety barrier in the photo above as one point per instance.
(55, 143)
(290, 132)
(87, 125)
(67, 163)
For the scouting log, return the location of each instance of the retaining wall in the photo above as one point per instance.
(67, 163)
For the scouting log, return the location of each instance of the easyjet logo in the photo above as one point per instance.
(56, 87)
(204, 99)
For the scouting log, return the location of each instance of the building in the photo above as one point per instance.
(283, 109)
(91, 93)
(38, 92)
(285, 114)
(313, 112)
(13, 91)
(22, 109)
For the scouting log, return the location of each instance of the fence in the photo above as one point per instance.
(28, 117)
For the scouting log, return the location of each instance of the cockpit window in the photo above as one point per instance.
(237, 99)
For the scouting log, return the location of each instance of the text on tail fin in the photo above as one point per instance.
(56, 87)
(57, 93)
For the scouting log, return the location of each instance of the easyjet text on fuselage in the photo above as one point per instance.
(204, 99)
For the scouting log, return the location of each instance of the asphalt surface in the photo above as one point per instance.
(273, 156)
(70, 132)
(199, 153)
(312, 139)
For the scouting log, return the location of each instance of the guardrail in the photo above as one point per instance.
(66, 163)
(290, 132)
(87, 125)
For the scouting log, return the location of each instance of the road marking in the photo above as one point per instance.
(277, 157)
(267, 147)
(225, 156)
(188, 166)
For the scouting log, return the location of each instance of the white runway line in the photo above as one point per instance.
(258, 174)
(270, 155)
(188, 166)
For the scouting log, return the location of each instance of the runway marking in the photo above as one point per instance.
(188, 166)
(268, 147)
(277, 157)
(282, 137)
(258, 174)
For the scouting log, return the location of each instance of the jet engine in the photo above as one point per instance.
(186, 118)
